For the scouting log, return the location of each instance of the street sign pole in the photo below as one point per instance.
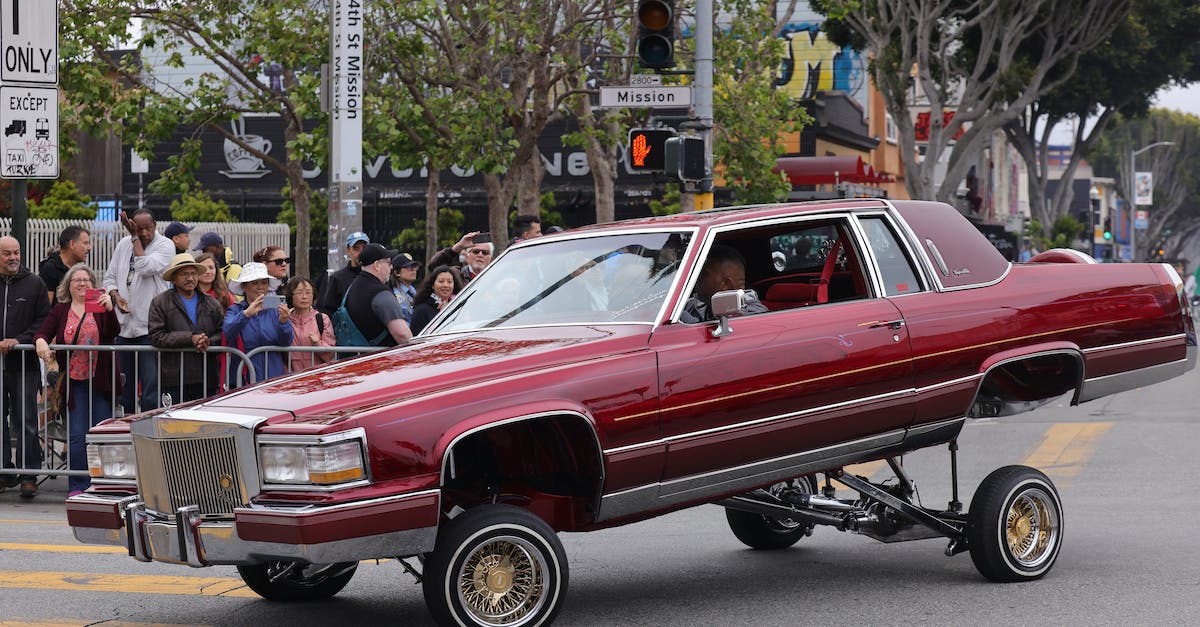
(345, 124)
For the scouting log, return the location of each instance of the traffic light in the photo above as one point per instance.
(685, 158)
(656, 33)
(1107, 229)
(646, 149)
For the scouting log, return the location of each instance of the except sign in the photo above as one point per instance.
(649, 97)
(29, 143)
(29, 37)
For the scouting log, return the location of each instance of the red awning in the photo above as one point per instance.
(828, 170)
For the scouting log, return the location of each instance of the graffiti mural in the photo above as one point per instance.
(815, 64)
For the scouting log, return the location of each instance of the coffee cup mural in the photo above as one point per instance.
(245, 163)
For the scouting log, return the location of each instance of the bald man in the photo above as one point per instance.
(23, 297)
(724, 269)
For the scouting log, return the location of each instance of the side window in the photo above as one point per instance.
(899, 274)
(813, 262)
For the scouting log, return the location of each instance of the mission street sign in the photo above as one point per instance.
(29, 41)
(671, 97)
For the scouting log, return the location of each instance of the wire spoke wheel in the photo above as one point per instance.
(1014, 528)
(1031, 527)
(501, 581)
(496, 565)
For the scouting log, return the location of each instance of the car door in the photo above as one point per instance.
(783, 383)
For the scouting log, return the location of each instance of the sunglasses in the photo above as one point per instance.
(280, 262)
(480, 251)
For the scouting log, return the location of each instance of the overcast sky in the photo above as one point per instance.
(1185, 99)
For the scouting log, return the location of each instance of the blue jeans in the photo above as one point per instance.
(147, 375)
(90, 407)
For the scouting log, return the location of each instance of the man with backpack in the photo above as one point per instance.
(368, 313)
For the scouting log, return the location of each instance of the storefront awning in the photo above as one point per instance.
(828, 171)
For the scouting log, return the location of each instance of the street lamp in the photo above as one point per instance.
(1133, 193)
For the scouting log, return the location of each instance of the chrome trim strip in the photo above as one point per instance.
(1123, 381)
(1108, 347)
(744, 477)
(949, 383)
(757, 421)
(309, 509)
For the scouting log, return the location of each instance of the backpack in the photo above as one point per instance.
(347, 332)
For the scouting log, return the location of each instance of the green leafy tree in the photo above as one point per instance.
(752, 115)
(669, 203)
(961, 60)
(64, 201)
(1154, 45)
(412, 239)
(199, 206)
(234, 53)
(1063, 234)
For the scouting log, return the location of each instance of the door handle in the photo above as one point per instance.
(891, 324)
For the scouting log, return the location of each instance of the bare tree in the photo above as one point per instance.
(962, 57)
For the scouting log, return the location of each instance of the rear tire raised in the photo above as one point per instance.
(1015, 525)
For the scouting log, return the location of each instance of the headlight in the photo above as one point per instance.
(312, 464)
(111, 460)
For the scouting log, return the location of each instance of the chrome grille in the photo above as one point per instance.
(194, 471)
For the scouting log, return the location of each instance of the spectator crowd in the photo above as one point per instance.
(168, 304)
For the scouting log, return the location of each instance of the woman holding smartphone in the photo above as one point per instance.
(261, 319)
(82, 316)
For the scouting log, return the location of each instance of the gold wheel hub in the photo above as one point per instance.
(1031, 528)
(501, 582)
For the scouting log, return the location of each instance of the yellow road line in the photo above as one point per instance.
(119, 582)
(69, 622)
(29, 521)
(1065, 448)
(62, 548)
(866, 469)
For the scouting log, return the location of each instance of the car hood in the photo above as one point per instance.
(336, 391)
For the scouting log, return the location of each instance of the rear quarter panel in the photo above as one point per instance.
(1111, 313)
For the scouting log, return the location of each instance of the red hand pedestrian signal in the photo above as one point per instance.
(640, 150)
(645, 152)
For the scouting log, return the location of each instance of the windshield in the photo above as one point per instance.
(610, 278)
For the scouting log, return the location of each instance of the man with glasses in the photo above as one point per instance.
(133, 279)
(25, 307)
(476, 249)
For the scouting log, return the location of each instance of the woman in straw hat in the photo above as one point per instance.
(256, 322)
(183, 317)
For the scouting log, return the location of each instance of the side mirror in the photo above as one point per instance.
(726, 304)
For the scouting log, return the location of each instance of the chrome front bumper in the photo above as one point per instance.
(379, 528)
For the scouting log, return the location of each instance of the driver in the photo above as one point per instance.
(725, 269)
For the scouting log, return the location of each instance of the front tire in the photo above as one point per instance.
(496, 565)
(297, 582)
(768, 533)
(1015, 526)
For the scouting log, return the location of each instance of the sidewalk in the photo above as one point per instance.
(49, 491)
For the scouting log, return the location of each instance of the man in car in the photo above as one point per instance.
(725, 269)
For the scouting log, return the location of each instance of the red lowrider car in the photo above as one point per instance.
(563, 390)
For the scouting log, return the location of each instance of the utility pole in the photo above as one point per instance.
(704, 97)
(1133, 204)
(345, 80)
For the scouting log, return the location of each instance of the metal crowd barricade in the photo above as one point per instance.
(304, 364)
(28, 415)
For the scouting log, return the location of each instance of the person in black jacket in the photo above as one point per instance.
(334, 289)
(74, 243)
(183, 317)
(23, 297)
